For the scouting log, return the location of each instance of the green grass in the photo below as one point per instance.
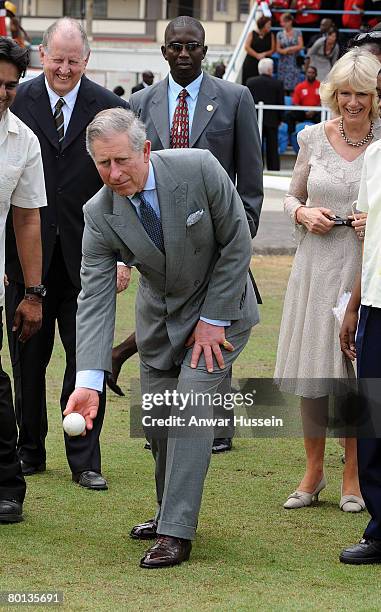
(250, 554)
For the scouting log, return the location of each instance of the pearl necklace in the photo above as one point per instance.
(360, 143)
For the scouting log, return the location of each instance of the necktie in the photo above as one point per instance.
(151, 222)
(59, 120)
(180, 123)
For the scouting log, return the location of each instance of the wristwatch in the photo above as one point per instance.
(38, 290)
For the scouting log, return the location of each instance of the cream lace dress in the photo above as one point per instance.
(324, 267)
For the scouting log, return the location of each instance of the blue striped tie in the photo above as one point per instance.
(59, 120)
(151, 222)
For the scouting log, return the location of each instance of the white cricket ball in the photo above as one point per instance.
(74, 424)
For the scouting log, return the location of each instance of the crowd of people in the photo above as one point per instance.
(170, 183)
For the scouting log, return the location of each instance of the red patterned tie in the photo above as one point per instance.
(180, 123)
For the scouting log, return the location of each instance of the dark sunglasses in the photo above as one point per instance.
(368, 35)
(177, 47)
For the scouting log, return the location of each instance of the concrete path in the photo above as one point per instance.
(275, 234)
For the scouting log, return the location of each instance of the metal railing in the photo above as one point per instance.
(325, 113)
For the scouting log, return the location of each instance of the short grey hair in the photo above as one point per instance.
(266, 66)
(66, 24)
(116, 121)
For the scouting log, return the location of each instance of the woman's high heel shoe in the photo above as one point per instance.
(351, 503)
(300, 499)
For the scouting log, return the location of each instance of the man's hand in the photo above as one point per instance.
(207, 339)
(86, 402)
(315, 219)
(347, 334)
(28, 317)
(123, 277)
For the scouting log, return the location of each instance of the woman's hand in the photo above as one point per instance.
(315, 219)
(359, 224)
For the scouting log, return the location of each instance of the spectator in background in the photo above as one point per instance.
(289, 42)
(146, 82)
(325, 24)
(306, 93)
(353, 22)
(372, 5)
(219, 70)
(303, 18)
(324, 53)
(258, 45)
(118, 91)
(14, 28)
(278, 4)
(269, 90)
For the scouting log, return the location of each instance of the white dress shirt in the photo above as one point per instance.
(22, 176)
(70, 100)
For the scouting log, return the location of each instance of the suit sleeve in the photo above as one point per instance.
(226, 287)
(248, 160)
(96, 302)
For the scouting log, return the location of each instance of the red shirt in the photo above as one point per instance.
(283, 4)
(352, 21)
(306, 94)
(304, 18)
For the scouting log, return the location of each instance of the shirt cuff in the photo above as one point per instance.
(90, 379)
(216, 322)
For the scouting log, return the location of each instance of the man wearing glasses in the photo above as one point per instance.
(190, 108)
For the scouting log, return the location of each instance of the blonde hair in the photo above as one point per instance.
(357, 69)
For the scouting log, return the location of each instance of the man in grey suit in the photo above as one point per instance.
(222, 119)
(178, 219)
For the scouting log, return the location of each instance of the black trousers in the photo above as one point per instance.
(270, 135)
(12, 483)
(29, 363)
(368, 348)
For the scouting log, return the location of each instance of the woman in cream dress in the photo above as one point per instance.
(325, 184)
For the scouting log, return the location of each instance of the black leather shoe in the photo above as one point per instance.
(221, 445)
(91, 480)
(365, 552)
(147, 446)
(144, 531)
(28, 469)
(10, 511)
(166, 552)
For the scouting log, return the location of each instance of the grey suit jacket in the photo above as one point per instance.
(224, 123)
(204, 271)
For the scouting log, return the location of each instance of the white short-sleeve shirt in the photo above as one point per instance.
(369, 200)
(21, 177)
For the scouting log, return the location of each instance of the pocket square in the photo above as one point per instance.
(194, 217)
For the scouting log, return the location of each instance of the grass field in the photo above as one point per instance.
(250, 554)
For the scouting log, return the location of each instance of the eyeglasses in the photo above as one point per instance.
(368, 35)
(177, 47)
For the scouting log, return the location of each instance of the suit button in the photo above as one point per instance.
(59, 189)
(196, 283)
(197, 251)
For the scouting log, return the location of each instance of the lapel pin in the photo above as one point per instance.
(209, 107)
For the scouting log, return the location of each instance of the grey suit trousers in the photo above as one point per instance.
(182, 456)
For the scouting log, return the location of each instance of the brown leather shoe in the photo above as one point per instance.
(166, 552)
(144, 531)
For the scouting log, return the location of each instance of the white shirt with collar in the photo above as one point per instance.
(70, 100)
(22, 176)
(191, 100)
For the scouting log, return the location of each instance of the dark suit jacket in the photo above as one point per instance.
(224, 123)
(137, 87)
(268, 90)
(70, 175)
